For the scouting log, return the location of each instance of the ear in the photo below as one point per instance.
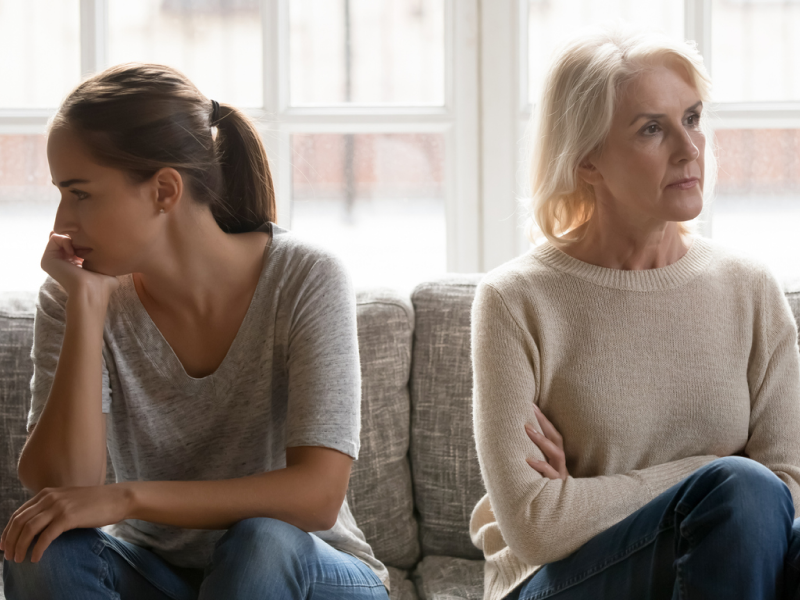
(588, 171)
(169, 189)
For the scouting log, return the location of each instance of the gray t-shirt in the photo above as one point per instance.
(291, 378)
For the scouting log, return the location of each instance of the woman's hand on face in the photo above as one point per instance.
(62, 264)
(56, 510)
(552, 446)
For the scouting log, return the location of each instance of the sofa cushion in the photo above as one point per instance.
(444, 462)
(447, 578)
(380, 486)
(16, 369)
(402, 588)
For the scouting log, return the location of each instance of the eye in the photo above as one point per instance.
(80, 195)
(693, 120)
(651, 129)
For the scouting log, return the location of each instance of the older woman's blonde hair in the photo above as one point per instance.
(575, 113)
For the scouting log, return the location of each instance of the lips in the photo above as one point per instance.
(684, 184)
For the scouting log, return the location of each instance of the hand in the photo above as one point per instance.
(56, 510)
(552, 446)
(62, 264)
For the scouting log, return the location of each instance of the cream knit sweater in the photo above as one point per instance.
(648, 375)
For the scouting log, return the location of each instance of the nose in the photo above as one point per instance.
(65, 217)
(686, 146)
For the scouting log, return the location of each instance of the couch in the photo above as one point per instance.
(417, 478)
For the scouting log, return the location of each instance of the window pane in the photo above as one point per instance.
(28, 203)
(216, 43)
(377, 200)
(755, 52)
(396, 51)
(40, 46)
(757, 208)
(551, 22)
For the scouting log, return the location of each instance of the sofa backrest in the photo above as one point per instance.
(16, 369)
(444, 462)
(380, 495)
(417, 452)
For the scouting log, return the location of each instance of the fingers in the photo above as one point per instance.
(46, 538)
(547, 428)
(554, 454)
(18, 532)
(543, 468)
(551, 444)
(28, 531)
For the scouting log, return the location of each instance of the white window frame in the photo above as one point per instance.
(457, 120)
(504, 88)
(483, 118)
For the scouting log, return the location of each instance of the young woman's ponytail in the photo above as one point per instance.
(144, 117)
(249, 195)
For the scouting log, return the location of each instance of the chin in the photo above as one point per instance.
(688, 209)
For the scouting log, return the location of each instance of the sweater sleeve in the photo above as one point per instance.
(774, 379)
(540, 520)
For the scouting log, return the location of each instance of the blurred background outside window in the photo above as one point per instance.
(379, 118)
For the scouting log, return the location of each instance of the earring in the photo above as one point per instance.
(161, 211)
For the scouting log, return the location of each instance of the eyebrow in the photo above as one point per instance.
(659, 116)
(69, 182)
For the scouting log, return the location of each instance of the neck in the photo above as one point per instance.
(195, 267)
(616, 244)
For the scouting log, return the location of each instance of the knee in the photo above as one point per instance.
(260, 538)
(264, 553)
(59, 564)
(750, 487)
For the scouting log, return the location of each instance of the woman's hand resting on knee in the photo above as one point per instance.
(552, 446)
(56, 510)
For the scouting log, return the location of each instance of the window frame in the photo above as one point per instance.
(483, 119)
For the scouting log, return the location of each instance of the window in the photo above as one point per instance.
(396, 128)
(368, 109)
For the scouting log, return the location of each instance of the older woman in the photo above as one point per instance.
(668, 463)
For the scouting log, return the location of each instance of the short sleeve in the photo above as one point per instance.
(48, 335)
(323, 364)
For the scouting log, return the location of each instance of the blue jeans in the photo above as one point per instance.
(255, 559)
(726, 531)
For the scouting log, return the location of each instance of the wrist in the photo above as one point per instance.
(87, 301)
(129, 499)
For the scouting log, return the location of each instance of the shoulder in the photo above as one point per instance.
(517, 274)
(734, 270)
(297, 251)
(299, 265)
(730, 262)
(524, 279)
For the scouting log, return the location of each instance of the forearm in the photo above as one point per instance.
(295, 495)
(68, 445)
(547, 520)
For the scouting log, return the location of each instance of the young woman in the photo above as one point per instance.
(214, 355)
(668, 465)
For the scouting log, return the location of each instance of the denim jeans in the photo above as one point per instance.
(726, 531)
(255, 559)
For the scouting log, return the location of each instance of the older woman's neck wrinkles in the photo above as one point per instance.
(618, 245)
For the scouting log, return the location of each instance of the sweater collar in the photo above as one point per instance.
(691, 264)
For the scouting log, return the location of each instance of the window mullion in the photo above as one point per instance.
(697, 27)
(94, 36)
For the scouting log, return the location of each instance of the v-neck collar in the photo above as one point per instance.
(161, 354)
